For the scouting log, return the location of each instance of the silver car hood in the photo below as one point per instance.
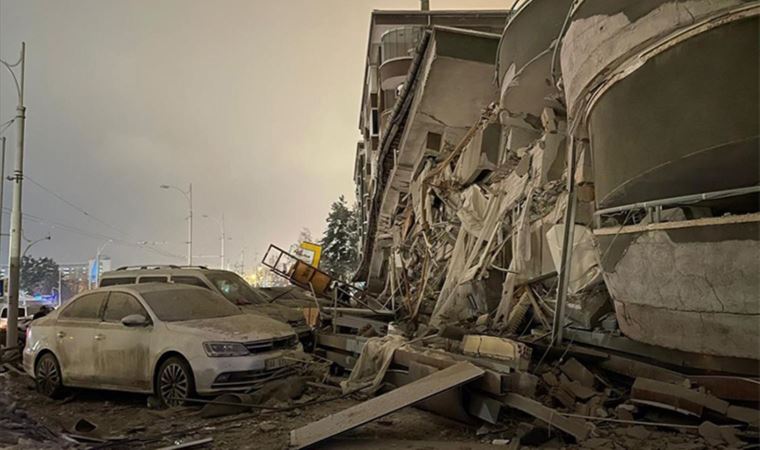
(239, 328)
(277, 312)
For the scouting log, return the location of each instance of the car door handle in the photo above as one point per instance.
(99, 337)
(60, 334)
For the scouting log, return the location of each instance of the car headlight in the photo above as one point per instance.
(215, 349)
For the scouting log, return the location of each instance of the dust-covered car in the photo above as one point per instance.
(231, 285)
(171, 340)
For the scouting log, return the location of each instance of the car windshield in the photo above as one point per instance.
(234, 288)
(175, 305)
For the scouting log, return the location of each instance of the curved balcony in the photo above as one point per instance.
(601, 34)
(525, 55)
(393, 72)
(397, 47)
(399, 43)
(679, 117)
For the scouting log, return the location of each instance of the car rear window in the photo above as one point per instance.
(175, 305)
(116, 281)
(153, 279)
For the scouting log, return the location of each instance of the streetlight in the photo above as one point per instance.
(28, 246)
(222, 238)
(189, 196)
(14, 252)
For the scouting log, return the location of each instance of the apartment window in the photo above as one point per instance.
(375, 122)
(433, 141)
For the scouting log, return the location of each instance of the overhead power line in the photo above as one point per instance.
(94, 235)
(74, 206)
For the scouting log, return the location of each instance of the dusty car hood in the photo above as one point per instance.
(277, 312)
(240, 328)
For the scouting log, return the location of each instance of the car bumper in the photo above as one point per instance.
(242, 372)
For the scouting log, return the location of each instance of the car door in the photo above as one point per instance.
(123, 360)
(75, 331)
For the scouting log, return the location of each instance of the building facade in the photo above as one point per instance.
(574, 161)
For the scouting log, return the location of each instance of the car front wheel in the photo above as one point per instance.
(174, 383)
(47, 375)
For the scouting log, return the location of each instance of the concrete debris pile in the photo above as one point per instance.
(527, 399)
(17, 428)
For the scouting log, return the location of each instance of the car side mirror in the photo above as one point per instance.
(135, 320)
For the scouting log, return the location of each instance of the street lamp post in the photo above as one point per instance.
(223, 237)
(14, 252)
(189, 196)
(30, 244)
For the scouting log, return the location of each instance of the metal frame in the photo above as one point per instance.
(654, 207)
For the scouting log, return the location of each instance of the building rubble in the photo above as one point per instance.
(481, 144)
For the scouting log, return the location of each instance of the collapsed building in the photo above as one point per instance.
(587, 168)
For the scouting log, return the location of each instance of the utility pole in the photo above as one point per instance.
(14, 252)
(190, 227)
(2, 184)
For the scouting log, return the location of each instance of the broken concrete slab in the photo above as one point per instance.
(550, 379)
(484, 408)
(575, 428)
(675, 397)
(522, 383)
(383, 405)
(743, 414)
(578, 372)
(448, 403)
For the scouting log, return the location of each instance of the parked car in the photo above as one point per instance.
(231, 285)
(169, 339)
(26, 312)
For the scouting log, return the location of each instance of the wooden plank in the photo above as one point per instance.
(573, 427)
(383, 405)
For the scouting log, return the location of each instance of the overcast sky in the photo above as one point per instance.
(254, 102)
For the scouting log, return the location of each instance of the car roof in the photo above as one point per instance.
(143, 288)
(125, 272)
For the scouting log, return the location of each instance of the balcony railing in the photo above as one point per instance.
(399, 42)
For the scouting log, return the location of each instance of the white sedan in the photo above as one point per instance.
(171, 340)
